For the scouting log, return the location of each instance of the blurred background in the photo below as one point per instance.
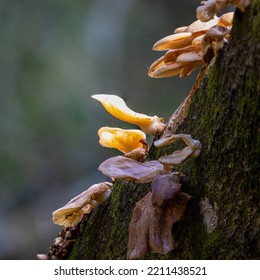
(53, 56)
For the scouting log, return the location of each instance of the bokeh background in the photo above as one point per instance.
(53, 56)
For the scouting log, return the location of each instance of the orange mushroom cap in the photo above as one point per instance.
(117, 108)
(125, 140)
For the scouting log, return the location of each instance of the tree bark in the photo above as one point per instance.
(222, 220)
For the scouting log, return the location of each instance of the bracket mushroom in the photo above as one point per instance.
(150, 228)
(209, 8)
(72, 213)
(117, 107)
(132, 142)
(120, 167)
(192, 150)
(186, 47)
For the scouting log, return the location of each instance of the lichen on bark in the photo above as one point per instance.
(225, 116)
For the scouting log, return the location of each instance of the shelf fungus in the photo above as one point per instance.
(117, 107)
(120, 167)
(72, 213)
(192, 150)
(209, 8)
(186, 48)
(213, 41)
(132, 142)
(150, 228)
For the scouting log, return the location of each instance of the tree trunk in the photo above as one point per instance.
(222, 220)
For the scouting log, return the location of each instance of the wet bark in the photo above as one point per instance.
(222, 220)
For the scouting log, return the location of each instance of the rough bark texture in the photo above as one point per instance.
(222, 220)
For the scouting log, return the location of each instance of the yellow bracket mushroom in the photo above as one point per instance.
(116, 107)
(132, 142)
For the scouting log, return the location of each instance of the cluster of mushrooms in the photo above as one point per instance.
(150, 228)
(191, 47)
(209, 8)
(164, 205)
(195, 45)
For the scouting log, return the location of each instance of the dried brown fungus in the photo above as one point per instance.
(192, 150)
(120, 167)
(150, 228)
(72, 213)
